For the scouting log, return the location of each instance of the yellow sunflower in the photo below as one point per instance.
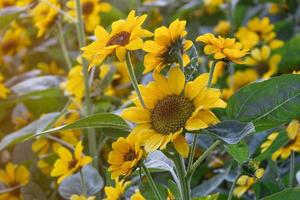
(126, 35)
(137, 195)
(166, 48)
(172, 106)
(243, 184)
(44, 16)
(226, 49)
(116, 192)
(265, 64)
(68, 164)
(90, 11)
(293, 133)
(14, 176)
(124, 157)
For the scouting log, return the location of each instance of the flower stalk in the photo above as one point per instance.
(292, 170)
(133, 78)
(88, 106)
(151, 181)
(233, 186)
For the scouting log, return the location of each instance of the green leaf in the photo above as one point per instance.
(240, 151)
(267, 104)
(231, 131)
(287, 194)
(100, 120)
(280, 141)
(209, 197)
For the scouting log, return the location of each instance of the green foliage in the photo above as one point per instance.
(267, 104)
(287, 194)
(239, 151)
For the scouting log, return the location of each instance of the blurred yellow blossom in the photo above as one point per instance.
(50, 68)
(116, 192)
(14, 176)
(90, 11)
(4, 91)
(222, 28)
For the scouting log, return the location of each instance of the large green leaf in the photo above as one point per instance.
(288, 194)
(267, 104)
(100, 120)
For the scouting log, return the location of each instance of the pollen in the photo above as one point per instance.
(171, 113)
(121, 38)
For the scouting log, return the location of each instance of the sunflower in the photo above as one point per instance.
(171, 107)
(67, 164)
(126, 35)
(44, 16)
(226, 49)
(4, 91)
(14, 176)
(166, 48)
(265, 64)
(137, 195)
(124, 157)
(243, 184)
(90, 11)
(293, 133)
(116, 192)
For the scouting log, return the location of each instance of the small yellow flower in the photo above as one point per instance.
(239, 79)
(172, 106)
(247, 37)
(116, 193)
(90, 11)
(74, 85)
(126, 35)
(120, 85)
(293, 133)
(244, 183)
(124, 157)
(14, 176)
(222, 28)
(82, 197)
(4, 91)
(14, 40)
(44, 16)
(7, 3)
(50, 68)
(68, 164)
(137, 195)
(212, 6)
(265, 64)
(167, 46)
(226, 49)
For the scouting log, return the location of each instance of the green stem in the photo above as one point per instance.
(151, 181)
(133, 78)
(81, 39)
(180, 61)
(233, 186)
(180, 168)
(202, 157)
(292, 170)
(83, 183)
(62, 43)
(194, 144)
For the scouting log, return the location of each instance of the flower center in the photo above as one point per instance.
(129, 156)
(87, 8)
(171, 113)
(262, 68)
(9, 46)
(121, 38)
(72, 164)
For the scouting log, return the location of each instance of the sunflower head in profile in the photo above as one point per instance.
(171, 106)
(167, 47)
(126, 35)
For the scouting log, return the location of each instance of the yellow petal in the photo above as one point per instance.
(137, 115)
(181, 146)
(193, 88)
(176, 80)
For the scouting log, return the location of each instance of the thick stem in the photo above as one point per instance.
(292, 170)
(211, 73)
(180, 168)
(180, 61)
(88, 105)
(133, 78)
(233, 186)
(202, 157)
(63, 47)
(151, 181)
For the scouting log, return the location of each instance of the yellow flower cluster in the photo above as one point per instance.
(3, 89)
